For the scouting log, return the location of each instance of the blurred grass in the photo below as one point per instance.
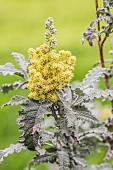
(21, 27)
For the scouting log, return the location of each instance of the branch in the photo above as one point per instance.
(101, 45)
(54, 112)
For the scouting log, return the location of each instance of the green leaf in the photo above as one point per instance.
(16, 100)
(22, 63)
(13, 148)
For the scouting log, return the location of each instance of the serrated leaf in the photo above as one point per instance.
(88, 83)
(84, 114)
(108, 3)
(78, 97)
(5, 88)
(100, 133)
(92, 77)
(70, 117)
(63, 160)
(13, 148)
(9, 68)
(75, 110)
(22, 63)
(65, 96)
(43, 159)
(92, 93)
(16, 100)
(103, 166)
(62, 124)
(107, 94)
(32, 121)
(47, 137)
(80, 161)
(89, 35)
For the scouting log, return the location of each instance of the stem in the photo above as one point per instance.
(101, 45)
(98, 24)
(54, 112)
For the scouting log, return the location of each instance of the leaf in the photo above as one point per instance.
(65, 95)
(46, 137)
(92, 93)
(80, 161)
(63, 160)
(79, 167)
(9, 68)
(107, 3)
(70, 117)
(16, 100)
(103, 166)
(85, 115)
(107, 94)
(62, 124)
(88, 83)
(22, 63)
(75, 110)
(101, 133)
(92, 77)
(89, 35)
(78, 97)
(5, 88)
(32, 121)
(26, 121)
(102, 11)
(43, 159)
(13, 148)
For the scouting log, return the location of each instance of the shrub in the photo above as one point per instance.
(66, 106)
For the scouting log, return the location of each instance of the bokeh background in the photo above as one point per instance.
(22, 27)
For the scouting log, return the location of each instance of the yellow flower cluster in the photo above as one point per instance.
(48, 72)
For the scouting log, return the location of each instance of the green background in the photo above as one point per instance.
(22, 27)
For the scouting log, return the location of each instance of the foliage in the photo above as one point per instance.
(13, 148)
(64, 140)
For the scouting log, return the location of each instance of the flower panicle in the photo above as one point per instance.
(49, 25)
(49, 71)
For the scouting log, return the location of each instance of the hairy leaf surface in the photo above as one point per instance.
(9, 68)
(13, 148)
(16, 100)
(22, 63)
(5, 88)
